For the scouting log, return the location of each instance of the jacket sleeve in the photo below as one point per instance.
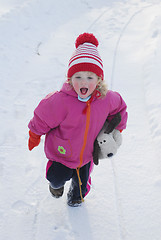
(50, 112)
(117, 104)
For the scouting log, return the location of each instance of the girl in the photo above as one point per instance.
(71, 120)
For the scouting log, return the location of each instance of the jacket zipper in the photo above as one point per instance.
(88, 111)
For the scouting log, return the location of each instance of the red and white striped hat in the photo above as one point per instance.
(86, 56)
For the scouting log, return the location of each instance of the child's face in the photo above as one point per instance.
(84, 83)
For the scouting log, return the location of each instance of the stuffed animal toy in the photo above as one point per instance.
(108, 140)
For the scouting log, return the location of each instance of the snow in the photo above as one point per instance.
(36, 41)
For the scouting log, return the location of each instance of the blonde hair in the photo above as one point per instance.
(101, 86)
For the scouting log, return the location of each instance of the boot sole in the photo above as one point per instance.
(74, 203)
(56, 193)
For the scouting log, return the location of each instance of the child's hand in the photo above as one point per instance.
(34, 140)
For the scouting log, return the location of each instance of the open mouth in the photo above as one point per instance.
(83, 91)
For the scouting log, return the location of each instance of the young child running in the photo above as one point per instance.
(71, 120)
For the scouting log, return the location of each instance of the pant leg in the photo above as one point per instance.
(84, 175)
(74, 192)
(58, 174)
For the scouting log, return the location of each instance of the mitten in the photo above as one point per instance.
(109, 127)
(34, 140)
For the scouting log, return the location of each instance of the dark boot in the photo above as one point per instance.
(72, 200)
(74, 203)
(56, 192)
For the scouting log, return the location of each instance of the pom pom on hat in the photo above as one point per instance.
(86, 38)
(86, 56)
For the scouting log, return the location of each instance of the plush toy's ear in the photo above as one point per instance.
(110, 126)
(96, 152)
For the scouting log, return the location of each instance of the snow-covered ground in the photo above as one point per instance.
(36, 41)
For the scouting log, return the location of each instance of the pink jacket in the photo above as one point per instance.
(70, 133)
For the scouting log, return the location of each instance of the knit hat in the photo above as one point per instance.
(86, 56)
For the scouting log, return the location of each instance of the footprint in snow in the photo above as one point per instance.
(22, 207)
(59, 233)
